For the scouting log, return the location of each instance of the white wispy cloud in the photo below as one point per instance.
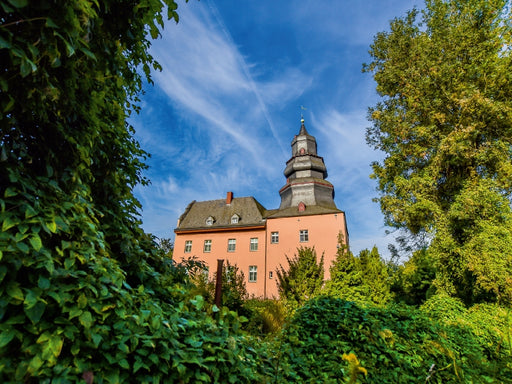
(342, 143)
(209, 82)
(225, 106)
(204, 72)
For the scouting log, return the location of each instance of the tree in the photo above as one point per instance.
(234, 290)
(445, 126)
(413, 281)
(83, 289)
(364, 278)
(303, 278)
(166, 246)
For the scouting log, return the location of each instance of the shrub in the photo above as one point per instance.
(398, 344)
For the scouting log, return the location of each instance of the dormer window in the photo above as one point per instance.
(210, 220)
(234, 219)
(302, 207)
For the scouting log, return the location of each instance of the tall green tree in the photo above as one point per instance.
(303, 278)
(364, 278)
(412, 282)
(83, 291)
(445, 126)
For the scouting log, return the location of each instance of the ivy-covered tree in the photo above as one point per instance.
(302, 279)
(83, 291)
(364, 278)
(445, 126)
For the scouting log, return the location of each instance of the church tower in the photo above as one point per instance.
(305, 174)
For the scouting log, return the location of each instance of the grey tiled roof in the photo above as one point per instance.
(250, 211)
(294, 211)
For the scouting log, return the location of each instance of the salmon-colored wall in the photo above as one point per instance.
(243, 257)
(323, 233)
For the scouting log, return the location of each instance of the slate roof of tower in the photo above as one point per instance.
(303, 131)
(249, 210)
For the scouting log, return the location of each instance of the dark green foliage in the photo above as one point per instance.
(302, 279)
(265, 317)
(393, 345)
(413, 281)
(364, 278)
(82, 289)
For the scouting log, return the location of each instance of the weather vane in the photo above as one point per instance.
(302, 108)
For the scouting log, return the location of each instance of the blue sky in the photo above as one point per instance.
(224, 109)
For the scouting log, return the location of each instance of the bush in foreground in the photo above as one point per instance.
(330, 340)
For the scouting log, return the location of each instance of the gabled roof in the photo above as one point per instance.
(250, 211)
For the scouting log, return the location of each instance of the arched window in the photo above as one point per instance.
(210, 220)
(302, 207)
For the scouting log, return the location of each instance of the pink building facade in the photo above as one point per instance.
(257, 240)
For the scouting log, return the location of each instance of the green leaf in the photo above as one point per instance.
(3, 270)
(8, 223)
(123, 363)
(9, 192)
(82, 301)
(138, 365)
(4, 43)
(35, 241)
(23, 247)
(74, 312)
(69, 48)
(27, 67)
(19, 3)
(36, 312)
(43, 282)
(50, 23)
(15, 291)
(86, 319)
(35, 364)
(30, 299)
(96, 339)
(88, 53)
(6, 337)
(52, 226)
(7, 108)
(55, 345)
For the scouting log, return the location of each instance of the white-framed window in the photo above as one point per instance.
(254, 244)
(231, 245)
(271, 275)
(274, 237)
(234, 219)
(304, 236)
(207, 246)
(188, 246)
(210, 220)
(253, 273)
